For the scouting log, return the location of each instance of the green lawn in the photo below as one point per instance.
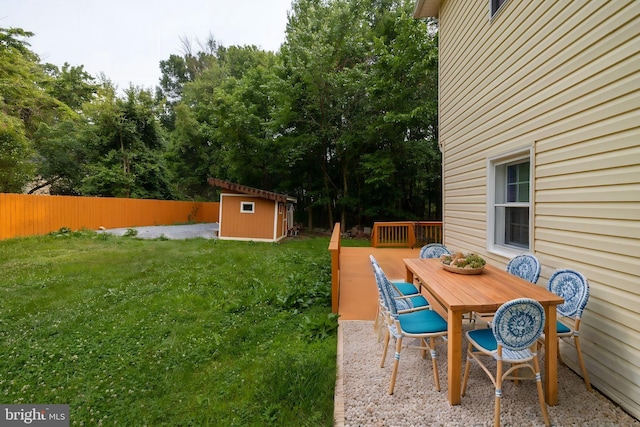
(159, 332)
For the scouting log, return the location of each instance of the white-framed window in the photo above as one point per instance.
(247, 207)
(509, 208)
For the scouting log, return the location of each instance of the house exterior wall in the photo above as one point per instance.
(560, 78)
(236, 225)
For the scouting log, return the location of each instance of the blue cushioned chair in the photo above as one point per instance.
(402, 288)
(513, 338)
(526, 266)
(434, 250)
(405, 303)
(424, 325)
(574, 288)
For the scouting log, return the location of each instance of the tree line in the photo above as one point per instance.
(343, 117)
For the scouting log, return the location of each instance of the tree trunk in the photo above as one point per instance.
(327, 192)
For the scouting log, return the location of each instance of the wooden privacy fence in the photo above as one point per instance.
(24, 215)
(406, 234)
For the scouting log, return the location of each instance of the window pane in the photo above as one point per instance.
(512, 173)
(518, 183)
(499, 230)
(517, 227)
(500, 184)
(523, 172)
(523, 192)
(512, 193)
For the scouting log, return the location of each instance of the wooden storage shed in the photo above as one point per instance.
(248, 213)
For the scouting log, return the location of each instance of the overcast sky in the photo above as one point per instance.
(126, 39)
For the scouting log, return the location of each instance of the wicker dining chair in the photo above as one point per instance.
(434, 250)
(401, 287)
(425, 325)
(526, 266)
(405, 303)
(513, 338)
(574, 288)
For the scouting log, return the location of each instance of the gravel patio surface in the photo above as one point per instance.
(361, 391)
(186, 231)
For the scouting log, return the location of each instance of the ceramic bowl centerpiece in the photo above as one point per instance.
(463, 264)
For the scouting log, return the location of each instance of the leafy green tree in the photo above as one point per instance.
(25, 104)
(178, 70)
(61, 145)
(222, 125)
(61, 156)
(361, 82)
(71, 85)
(23, 83)
(405, 165)
(312, 60)
(15, 151)
(344, 117)
(125, 147)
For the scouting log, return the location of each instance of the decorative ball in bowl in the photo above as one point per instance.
(463, 264)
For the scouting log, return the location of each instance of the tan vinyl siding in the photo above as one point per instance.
(563, 78)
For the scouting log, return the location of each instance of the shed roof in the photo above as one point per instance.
(238, 188)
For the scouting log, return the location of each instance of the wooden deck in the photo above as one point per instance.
(358, 293)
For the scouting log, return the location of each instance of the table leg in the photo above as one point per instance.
(454, 355)
(551, 356)
(408, 275)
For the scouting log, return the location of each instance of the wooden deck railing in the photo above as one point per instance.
(406, 234)
(334, 248)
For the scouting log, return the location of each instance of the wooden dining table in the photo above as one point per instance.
(452, 295)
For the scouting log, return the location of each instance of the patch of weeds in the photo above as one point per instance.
(68, 232)
(319, 328)
(62, 232)
(301, 293)
(103, 236)
(131, 232)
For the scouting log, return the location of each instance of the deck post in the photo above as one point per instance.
(334, 248)
(411, 235)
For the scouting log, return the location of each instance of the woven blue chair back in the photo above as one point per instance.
(387, 292)
(526, 266)
(518, 323)
(377, 271)
(434, 250)
(573, 287)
